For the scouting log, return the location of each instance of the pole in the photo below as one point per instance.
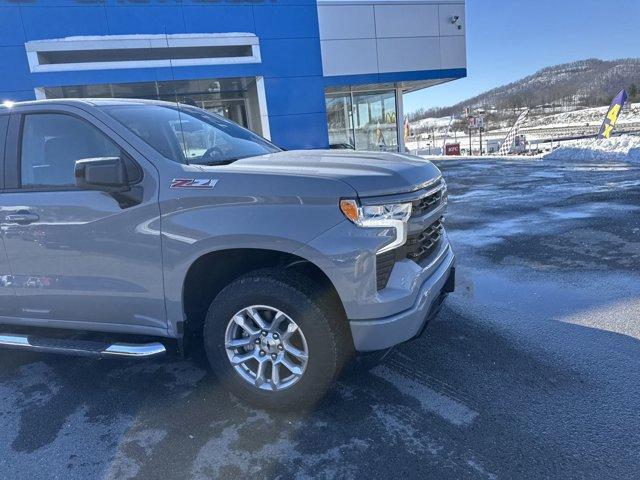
(400, 120)
(433, 137)
(480, 141)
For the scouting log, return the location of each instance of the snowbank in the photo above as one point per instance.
(624, 148)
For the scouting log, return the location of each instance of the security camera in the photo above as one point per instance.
(455, 19)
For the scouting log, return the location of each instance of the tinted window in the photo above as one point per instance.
(4, 124)
(190, 135)
(51, 144)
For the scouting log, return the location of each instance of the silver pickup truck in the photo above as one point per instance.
(130, 228)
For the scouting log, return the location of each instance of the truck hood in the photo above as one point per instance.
(369, 173)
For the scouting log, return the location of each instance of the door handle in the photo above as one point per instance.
(22, 218)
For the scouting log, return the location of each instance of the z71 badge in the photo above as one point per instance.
(193, 183)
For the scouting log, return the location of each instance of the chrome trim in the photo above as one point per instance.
(400, 228)
(135, 350)
(407, 196)
(427, 184)
(427, 218)
(14, 340)
(141, 350)
(441, 186)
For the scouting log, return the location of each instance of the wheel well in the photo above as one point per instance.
(210, 273)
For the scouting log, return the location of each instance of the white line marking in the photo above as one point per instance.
(445, 407)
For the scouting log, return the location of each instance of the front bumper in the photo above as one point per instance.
(377, 334)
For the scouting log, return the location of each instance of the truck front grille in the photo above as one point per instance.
(418, 247)
(384, 264)
(430, 201)
(423, 244)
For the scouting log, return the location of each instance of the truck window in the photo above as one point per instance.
(190, 135)
(51, 144)
(4, 123)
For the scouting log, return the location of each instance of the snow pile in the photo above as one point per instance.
(623, 148)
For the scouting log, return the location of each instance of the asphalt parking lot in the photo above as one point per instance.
(532, 370)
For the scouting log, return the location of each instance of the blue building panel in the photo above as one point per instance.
(14, 70)
(128, 20)
(295, 95)
(218, 18)
(42, 22)
(291, 57)
(307, 130)
(287, 33)
(373, 78)
(11, 32)
(286, 21)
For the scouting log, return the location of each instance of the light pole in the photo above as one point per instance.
(480, 125)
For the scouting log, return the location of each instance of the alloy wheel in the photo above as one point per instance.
(266, 347)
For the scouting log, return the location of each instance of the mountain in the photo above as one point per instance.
(586, 83)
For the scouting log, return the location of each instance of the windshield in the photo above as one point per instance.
(190, 135)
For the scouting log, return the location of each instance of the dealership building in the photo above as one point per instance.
(304, 73)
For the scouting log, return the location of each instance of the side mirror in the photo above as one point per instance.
(107, 174)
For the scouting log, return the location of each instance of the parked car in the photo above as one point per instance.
(155, 225)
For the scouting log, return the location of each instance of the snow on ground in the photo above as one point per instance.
(630, 114)
(624, 147)
(536, 127)
(431, 123)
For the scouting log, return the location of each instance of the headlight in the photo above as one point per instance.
(392, 215)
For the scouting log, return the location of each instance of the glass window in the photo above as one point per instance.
(374, 121)
(190, 135)
(340, 121)
(363, 120)
(51, 144)
(228, 97)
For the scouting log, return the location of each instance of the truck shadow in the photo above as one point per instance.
(454, 403)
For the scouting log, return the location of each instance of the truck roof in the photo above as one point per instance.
(94, 102)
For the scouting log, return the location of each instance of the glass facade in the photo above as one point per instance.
(363, 120)
(230, 97)
(340, 120)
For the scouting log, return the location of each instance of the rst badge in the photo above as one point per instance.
(200, 183)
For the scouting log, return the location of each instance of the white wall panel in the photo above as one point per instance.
(381, 36)
(408, 54)
(446, 12)
(349, 57)
(406, 21)
(346, 21)
(453, 52)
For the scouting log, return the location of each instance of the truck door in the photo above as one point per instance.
(79, 258)
(8, 303)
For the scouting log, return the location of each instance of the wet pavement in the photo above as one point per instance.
(532, 370)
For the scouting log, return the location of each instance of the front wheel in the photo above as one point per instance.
(273, 340)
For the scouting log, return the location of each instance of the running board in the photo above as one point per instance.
(87, 348)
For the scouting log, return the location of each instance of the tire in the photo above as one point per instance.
(321, 330)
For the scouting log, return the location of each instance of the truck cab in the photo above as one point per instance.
(129, 226)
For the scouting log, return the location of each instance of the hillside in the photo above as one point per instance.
(586, 83)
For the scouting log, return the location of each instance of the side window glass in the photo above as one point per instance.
(51, 144)
(4, 123)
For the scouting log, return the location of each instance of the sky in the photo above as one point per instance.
(510, 39)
